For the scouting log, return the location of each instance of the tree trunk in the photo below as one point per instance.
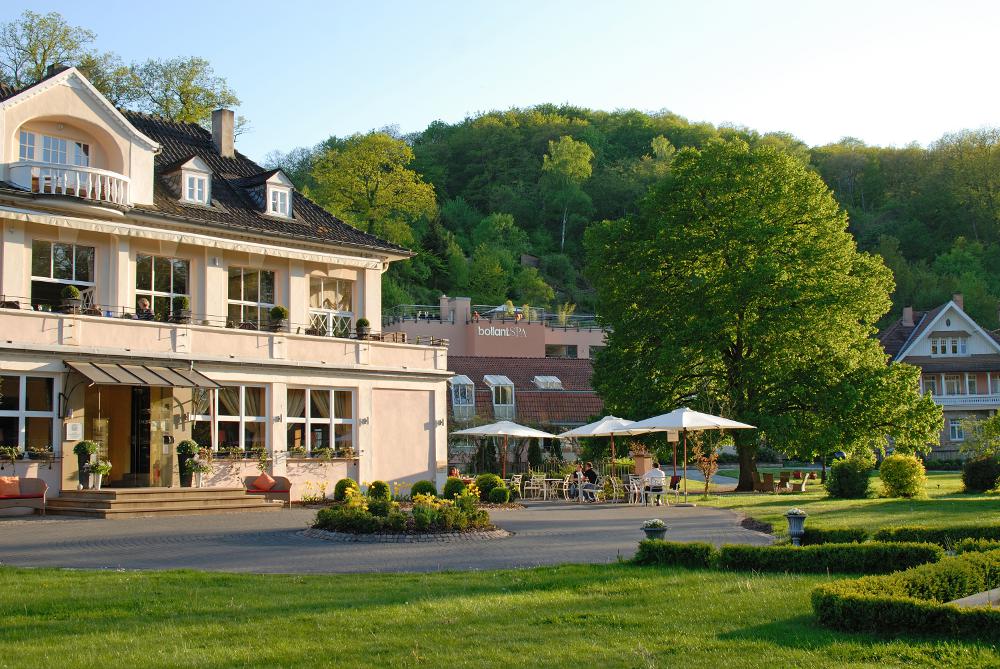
(562, 240)
(745, 448)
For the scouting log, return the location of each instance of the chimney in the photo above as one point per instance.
(907, 317)
(222, 132)
(957, 299)
(54, 69)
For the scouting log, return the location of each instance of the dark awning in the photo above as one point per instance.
(114, 374)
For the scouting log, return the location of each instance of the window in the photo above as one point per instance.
(251, 296)
(971, 385)
(331, 309)
(502, 391)
(560, 350)
(463, 397)
(27, 411)
(548, 382)
(320, 419)
(55, 265)
(27, 150)
(930, 385)
(159, 280)
(955, 431)
(55, 150)
(994, 383)
(238, 414)
(278, 201)
(952, 384)
(949, 346)
(196, 189)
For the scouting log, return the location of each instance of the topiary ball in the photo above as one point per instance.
(902, 476)
(486, 483)
(423, 488)
(500, 495)
(340, 490)
(848, 478)
(379, 490)
(453, 487)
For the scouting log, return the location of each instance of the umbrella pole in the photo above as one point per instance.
(614, 466)
(503, 461)
(675, 458)
(685, 466)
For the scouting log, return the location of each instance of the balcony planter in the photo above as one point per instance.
(279, 319)
(363, 328)
(71, 300)
(182, 310)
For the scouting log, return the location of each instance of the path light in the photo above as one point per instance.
(796, 525)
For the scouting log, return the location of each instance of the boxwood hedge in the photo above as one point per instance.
(868, 558)
(976, 546)
(833, 535)
(914, 601)
(943, 536)
(675, 554)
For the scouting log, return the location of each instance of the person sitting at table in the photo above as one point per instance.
(653, 480)
(453, 473)
(142, 310)
(590, 487)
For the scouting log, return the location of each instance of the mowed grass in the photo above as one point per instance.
(944, 504)
(569, 616)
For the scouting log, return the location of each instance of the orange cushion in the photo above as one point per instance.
(10, 486)
(263, 482)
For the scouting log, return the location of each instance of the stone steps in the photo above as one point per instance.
(136, 502)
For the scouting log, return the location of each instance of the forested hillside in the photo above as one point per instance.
(474, 197)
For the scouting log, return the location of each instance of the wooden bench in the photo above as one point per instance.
(282, 490)
(32, 496)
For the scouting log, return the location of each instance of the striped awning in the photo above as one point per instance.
(115, 374)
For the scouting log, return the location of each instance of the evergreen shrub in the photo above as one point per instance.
(902, 476)
(867, 558)
(981, 474)
(848, 478)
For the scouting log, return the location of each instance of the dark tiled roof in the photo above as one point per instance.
(232, 205)
(968, 363)
(576, 404)
(896, 336)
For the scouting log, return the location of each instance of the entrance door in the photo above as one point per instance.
(138, 474)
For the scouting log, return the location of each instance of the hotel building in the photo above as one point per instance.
(179, 248)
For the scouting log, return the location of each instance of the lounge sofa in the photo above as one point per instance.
(282, 490)
(32, 495)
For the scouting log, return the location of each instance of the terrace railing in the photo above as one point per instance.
(87, 183)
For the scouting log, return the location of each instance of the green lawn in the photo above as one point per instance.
(944, 504)
(614, 616)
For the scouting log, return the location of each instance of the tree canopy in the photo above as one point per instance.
(739, 284)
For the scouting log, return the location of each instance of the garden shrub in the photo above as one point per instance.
(381, 507)
(943, 536)
(981, 474)
(944, 465)
(976, 546)
(340, 490)
(486, 483)
(379, 490)
(833, 535)
(913, 601)
(500, 495)
(423, 488)
(902, 476)
(868, 558)
(848, 478)
(396, 521)
(695, 555)
(341, 519)
(453, 487)
(424, 516)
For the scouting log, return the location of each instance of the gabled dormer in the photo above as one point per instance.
(947, 332)
(62, 138)
(272, 191)
(191, 181)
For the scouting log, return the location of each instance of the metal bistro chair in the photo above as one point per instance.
(535, 486)
(634, 489)
(515, 482)
(567, 487)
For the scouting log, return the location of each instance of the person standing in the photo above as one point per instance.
(654, 480)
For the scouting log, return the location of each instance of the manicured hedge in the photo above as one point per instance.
(833, 535)
(943, 536)
(913, 601)
(976, 546)
(675, 554)
(869, 558)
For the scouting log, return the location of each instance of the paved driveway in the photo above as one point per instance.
(544, 533)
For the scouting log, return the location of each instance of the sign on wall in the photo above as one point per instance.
(74, 431)
(500, 331)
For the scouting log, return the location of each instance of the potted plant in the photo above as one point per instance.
(654, 528)
(71, 300)
(199, 465)
(182, 310)
(279, 319)
(186, 450)
(321, 453)
(9, 453)
(363, 328)
(98, 470)
(297, 452)
(84, 452)
(796, 525)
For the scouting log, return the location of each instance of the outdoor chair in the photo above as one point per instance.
(567, 487)
(768, 483)
(782, 482)
(675, 482)
(515, 482)
(796, 475)
(798, 486)
(535, 486)
(761, 485)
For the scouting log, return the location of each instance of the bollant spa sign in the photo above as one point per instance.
(498, 331)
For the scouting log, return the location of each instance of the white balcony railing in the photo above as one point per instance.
(967, 400)
(86, 183)
(327, 323)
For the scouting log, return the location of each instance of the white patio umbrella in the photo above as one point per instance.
(608, 426)
(505, 429)
(686, 420)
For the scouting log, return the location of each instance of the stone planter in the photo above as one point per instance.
(95, 481)
(71, 305)
(198, 479)
(796, 525)
(655, 532)
(279, 326)
(81, 463)
(181, 317)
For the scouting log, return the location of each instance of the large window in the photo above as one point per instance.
(331, 310)
(502, 391)
(196, 189)
(251, 296)
(930, 385)
(55, 265)
(952, 384)
(463, 397)
(27, 411)
(971, 385)
(158, 280)
(955, 431)
(239, 414)
(560, 351)
(321, 419)
(55, 150)
(949, 346)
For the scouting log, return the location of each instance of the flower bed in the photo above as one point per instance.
(377, 513)
(915, 601)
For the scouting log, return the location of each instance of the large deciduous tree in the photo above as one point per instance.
(739, 286)
(181, 89)
(32, 42)
(565, 167)
(365, 180)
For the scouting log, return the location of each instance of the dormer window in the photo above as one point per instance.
(194, 181)
(196, 189)
(502, 389)
(278, 198)
(548, 383)
(463, 397)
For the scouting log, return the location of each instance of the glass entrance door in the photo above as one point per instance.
(138, 474)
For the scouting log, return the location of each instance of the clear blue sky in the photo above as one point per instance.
(886, 72)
